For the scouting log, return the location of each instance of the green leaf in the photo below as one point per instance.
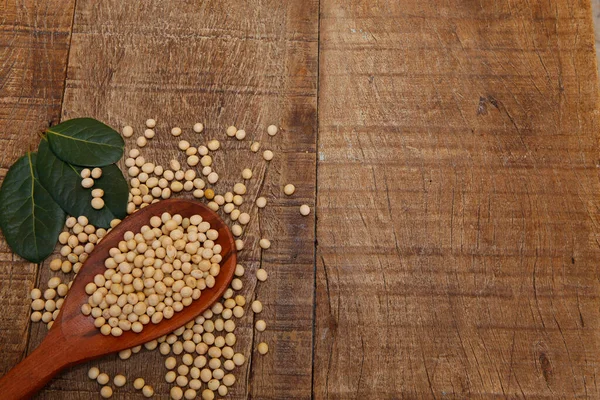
(30, 219)
(86, 141)
(63, 182)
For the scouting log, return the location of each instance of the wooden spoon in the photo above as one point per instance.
(74, 339)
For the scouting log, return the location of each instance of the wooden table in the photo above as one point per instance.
(451, 150)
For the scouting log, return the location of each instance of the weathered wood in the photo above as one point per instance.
(250, 64)
(18, 278)
(596, 15)
(34, 42)
(458, 203)
(457, 184)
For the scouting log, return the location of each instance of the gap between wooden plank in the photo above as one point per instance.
(315, 210)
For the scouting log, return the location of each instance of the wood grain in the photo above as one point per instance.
(34, 43)
(457, 175)
(596, 17)
(18, 278)
(220, 63)
(457, 201)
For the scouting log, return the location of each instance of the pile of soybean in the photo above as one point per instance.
(201, 357)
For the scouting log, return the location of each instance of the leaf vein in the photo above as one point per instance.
(87, 142)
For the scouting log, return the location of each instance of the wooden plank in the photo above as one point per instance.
(18, 278)
(458, 201)
(34, 42)
(596, 15)
(250, 64)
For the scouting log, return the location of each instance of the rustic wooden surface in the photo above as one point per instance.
(457, 180)
(219, 63)
(596, 16)
(34, 43)
(458, 200)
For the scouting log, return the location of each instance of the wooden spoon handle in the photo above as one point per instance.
(31, 374)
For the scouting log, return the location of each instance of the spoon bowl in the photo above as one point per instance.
(74, 339)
